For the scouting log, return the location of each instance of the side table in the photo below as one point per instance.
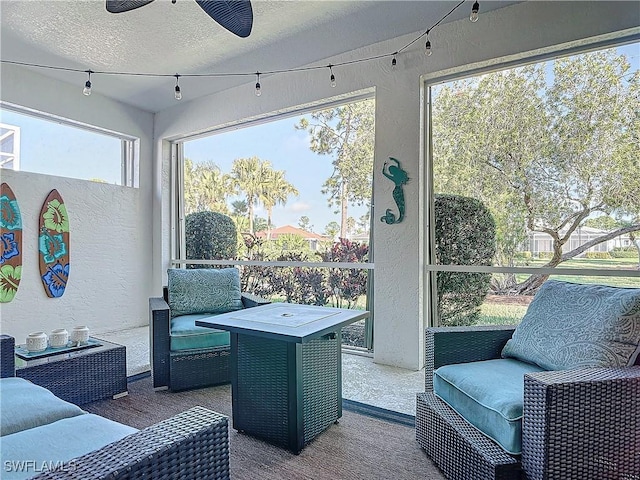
(80, 376)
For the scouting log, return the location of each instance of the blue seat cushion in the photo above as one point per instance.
(25, 405)
(185, 335)
(48, 446)
(570, 325)
(489, 395)
(203, 290)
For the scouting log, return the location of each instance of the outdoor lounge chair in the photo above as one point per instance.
(579, 419)
(183, 355)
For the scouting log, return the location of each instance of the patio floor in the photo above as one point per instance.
(363, 380)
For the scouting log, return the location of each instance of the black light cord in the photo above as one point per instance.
(241, 74)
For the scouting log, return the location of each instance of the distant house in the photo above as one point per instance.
(313, 238)
(541, 242)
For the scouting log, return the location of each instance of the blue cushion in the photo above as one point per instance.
(203, 290)
(185, 335)
(570, 325)
(47, 447)
(489, 395)
(25, 405)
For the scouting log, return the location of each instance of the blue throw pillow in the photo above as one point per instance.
(570, 325)
(203, 290)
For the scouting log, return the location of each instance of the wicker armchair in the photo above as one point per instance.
(577, 424)
(186, 369)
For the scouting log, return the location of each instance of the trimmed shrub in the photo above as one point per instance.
(210, 236)
(465, 233)
(624, 252)
(598, 255)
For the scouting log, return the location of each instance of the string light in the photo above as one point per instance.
(87, 85)
(178, 93)
(258, 88)
(258, 91)
(333, 77)
(474, 12)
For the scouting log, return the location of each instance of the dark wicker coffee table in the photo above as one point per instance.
(80, 376)
(286, 369)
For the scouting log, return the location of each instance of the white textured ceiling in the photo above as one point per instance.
(166, 38)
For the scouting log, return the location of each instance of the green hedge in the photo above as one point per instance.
(465, 233)
(210, 236)
(598, 255)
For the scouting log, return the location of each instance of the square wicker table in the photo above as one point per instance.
(80, 376)
(286, 369)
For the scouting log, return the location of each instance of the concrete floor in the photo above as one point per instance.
(363, 380)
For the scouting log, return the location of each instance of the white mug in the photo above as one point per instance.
(59, 338)
(37, 342)
(80, 334)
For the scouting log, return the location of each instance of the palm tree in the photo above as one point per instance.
(205, 187)
(276, 191)
(249, 176)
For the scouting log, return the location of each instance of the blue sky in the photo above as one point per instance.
(287, 149)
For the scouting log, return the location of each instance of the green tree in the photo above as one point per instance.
(249, 175)
(347, 134)
(239, 208)
(544, 152)
(332, 229)
(276, 191)
(305, 224)
(206, 188)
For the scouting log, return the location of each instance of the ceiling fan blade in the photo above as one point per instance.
(234, 15)
(116, 6)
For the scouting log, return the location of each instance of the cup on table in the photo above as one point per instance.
(58, 338)
(80, 335)
(37, 342)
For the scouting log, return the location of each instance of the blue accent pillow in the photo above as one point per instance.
(203, 290)
(570, 325)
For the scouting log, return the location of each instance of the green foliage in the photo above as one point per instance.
(543, 152)
(347, 284)
(603, 222)
(206, 188)
(597, 255)
(464, 235)
(624, 252)
(347, 134)
(210, 236)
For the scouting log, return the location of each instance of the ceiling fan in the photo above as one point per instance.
(234, 15)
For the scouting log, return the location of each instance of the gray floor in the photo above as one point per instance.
(362, 380)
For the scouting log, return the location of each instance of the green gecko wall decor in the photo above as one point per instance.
(399, 177)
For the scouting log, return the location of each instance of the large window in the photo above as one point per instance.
(52, 146)
(289, 200)
(539, 167)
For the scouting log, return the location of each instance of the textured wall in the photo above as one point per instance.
(400, 303)
(110, 272)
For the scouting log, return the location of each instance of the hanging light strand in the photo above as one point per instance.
(258, 90)
(87, 85)
(332, 78)
(178, 93)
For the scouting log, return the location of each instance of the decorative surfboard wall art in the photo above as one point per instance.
(53, 245)
(10, 244)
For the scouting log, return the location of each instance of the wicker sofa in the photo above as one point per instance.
(44, 437)
(576, 424)
(183, 355)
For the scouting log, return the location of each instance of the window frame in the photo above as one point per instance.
(129, 145)
(431, 269)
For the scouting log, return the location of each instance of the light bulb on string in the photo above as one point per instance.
(333, 77)
(178, 93)
(394, 62)
(258, 88)
(87, 85)
(474, 12)
(427, 48)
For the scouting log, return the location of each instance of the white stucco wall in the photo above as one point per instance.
(400, 305)
(110, 226)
